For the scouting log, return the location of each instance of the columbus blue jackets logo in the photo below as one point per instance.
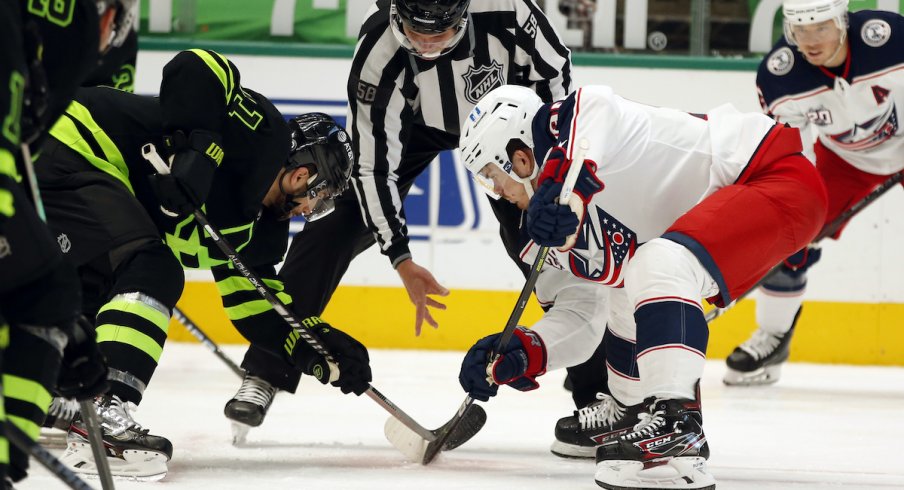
(875, 32)
(607, 243)
(781, 62)
(870, 133)
(481, 79)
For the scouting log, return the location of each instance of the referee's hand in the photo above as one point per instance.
(420, 283)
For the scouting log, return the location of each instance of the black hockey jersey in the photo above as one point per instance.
(855, 111)
(507, 42)
(200, 89)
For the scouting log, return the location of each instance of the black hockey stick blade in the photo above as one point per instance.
(417, 448)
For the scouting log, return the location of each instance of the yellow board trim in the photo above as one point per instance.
(828, 332)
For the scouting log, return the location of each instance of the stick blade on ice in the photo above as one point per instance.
(415, 447)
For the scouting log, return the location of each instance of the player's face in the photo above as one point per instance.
(504, 185)
(818, 43)
(429, 45)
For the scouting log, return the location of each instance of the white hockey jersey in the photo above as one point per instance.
(854, 109)
(655, 163)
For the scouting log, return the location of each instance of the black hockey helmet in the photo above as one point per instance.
(323, 146)
(428, 18)
(123, 22)
(431, 16)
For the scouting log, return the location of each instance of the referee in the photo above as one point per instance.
(419, 68)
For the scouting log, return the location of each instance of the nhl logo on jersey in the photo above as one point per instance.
(781, 61)
(65, 244)
(5, 249)
(875, 32)
(481, 79)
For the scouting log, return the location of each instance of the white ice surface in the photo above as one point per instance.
(819, 427)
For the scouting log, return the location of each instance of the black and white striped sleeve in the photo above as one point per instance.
(379, 116)
(544, 59)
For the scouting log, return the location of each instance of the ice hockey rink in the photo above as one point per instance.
(820, 427)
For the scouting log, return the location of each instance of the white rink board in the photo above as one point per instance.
(865, 266)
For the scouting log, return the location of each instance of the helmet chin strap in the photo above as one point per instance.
(842, 41)
(526, 181)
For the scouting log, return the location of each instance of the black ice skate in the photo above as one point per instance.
(759, 360)
(132, 452)
(666, 449)
(578, 435)
(249, 406)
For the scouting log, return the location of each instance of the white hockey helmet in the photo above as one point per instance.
(805, 12)
(502, 115)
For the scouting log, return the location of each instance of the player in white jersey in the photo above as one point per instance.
(670, 206)
(842, 76)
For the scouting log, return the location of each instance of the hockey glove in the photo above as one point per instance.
(548, 223)
(519, 363)
(195, 161)
(351, 356)
(83, 372)
(556, 167)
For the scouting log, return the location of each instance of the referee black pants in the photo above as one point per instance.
(320, 254)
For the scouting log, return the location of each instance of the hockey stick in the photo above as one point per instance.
(95, 436)
(151, 155)
(43, 456)
(571, 178)
(202, 337)
(827, 231)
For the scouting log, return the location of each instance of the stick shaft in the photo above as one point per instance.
(89, 414)
(202, 337)
(43, 456)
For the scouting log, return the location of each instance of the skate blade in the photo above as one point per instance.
(240, 434)
(763, 376)
(133, 466)
(572, 451)
(52, 438)
(678, 473)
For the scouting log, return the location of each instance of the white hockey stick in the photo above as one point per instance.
(426, 451)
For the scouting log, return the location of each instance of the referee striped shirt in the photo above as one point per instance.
(507, 42)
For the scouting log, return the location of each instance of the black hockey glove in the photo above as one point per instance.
(195, 161)
(83, 372)
(350, 355)
(548, 223)
(520, 362)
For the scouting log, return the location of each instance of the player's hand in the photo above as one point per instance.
(353, 361)
(196, 158)
(83, 373)
(548, 223)
(518, 365)
(420, 283)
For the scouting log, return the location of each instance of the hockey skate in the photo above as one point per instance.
(133, 453)
(666, 449)
(578, 435)
(249, 406)
(759, 360)
(60, 414)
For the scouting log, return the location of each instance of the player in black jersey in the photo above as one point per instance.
(129, 231)
(48, 49)
(419, 68)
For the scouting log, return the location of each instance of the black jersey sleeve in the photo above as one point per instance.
(249, 312)
(12, 75)
(546, 62)
(197, 87)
